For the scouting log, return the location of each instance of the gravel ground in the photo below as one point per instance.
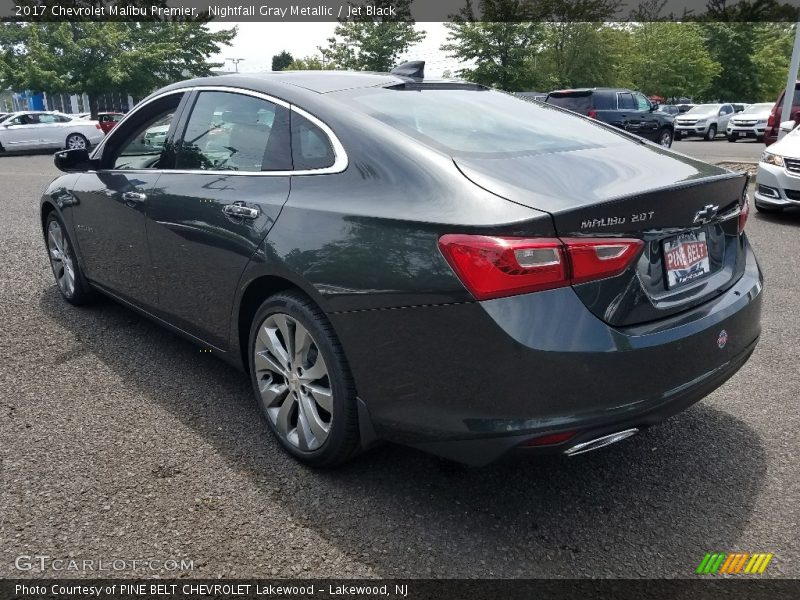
(119, 440)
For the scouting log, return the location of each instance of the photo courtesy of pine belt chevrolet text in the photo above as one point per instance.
(433, 263)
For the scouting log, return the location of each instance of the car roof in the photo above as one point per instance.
(321, 82)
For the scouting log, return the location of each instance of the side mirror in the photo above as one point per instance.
(787, 126)
(653, 106)
(74, 161)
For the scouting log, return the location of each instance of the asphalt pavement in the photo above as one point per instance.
(119, 440)
(721, 150)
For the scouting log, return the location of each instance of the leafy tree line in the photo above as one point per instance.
(96, 58)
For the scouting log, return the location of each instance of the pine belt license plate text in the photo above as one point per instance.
(686, 258)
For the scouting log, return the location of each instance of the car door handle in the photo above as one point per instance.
(134, 197)
(238, 209)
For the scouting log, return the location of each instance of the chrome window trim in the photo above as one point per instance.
(340, 161)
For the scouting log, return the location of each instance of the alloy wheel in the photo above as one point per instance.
(76, 142)
(293, 382)
(60, 258)
(665, 139)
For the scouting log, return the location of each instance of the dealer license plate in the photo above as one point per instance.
(686, 258)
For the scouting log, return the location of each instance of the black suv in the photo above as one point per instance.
(626, 109)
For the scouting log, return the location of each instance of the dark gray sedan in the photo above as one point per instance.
(424, 262)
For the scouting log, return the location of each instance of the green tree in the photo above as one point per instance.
(773, 53)
(370, 42)
(732, 46)
(671, 60)
(309, 63)
(281, 61)
(583, 54)
(96, 58)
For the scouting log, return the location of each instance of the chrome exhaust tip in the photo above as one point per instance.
(600, 442)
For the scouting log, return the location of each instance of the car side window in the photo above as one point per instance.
(25, 120)
(625, 101)
(52, 119)
(235, 132)
(642, 103)
(311, 148)
(142, 149)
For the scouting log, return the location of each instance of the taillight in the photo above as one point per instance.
(745, 212)
(494, 267)
(592, 114)
(98, 126)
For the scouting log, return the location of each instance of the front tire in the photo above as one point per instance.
(302, 381)
(677, 136)
(76, 141)
(711, 133)
(732, 138)
(70, 279)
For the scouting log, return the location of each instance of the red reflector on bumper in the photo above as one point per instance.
(549, 440)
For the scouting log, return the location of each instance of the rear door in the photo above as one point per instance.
(53, 130)
(213, 209)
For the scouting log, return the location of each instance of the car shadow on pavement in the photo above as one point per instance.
(788, 216)
(650, 506)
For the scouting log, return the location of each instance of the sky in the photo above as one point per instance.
(256, 43)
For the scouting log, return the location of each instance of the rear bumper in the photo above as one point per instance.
(473, 381)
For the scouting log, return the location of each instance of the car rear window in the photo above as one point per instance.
(579, 103)
(485, 123)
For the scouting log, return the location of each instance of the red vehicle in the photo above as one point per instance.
(774, 122)
(107, 120)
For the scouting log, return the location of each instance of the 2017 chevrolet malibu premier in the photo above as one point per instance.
(425, 262)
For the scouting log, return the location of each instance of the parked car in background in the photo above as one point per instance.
(529, 281)
(739, 106)
(682, 108)
(704, 120)
(750, 123)
(32, 130)
(669, 109)
(108, 120)
(778, 176)
(623, 108)
(774, 121)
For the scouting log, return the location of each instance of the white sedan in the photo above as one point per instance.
(778, 177)
(33, 130)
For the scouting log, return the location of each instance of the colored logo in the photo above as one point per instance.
(719, 563)
(722, 339)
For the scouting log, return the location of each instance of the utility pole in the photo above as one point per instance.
(791, 78)
(235, 62)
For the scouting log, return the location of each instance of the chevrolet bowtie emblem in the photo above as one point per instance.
(705, 214)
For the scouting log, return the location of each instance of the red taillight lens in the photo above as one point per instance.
(600, 258)
(592, 114)
(491, 267)
(745, 212)
(494, 267)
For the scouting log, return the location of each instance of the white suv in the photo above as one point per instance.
(704, 120)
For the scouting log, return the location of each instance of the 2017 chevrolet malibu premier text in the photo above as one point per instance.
(429, 263)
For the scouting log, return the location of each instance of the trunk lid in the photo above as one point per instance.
(674, 203)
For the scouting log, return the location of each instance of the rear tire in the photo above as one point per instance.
(302, 382)
(69, 278)
(711, 133)
(664, 138)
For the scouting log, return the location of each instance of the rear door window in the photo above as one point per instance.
(625, 101)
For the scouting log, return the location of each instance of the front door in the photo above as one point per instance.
(109, 218)
(21, 132)
(210, 213)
